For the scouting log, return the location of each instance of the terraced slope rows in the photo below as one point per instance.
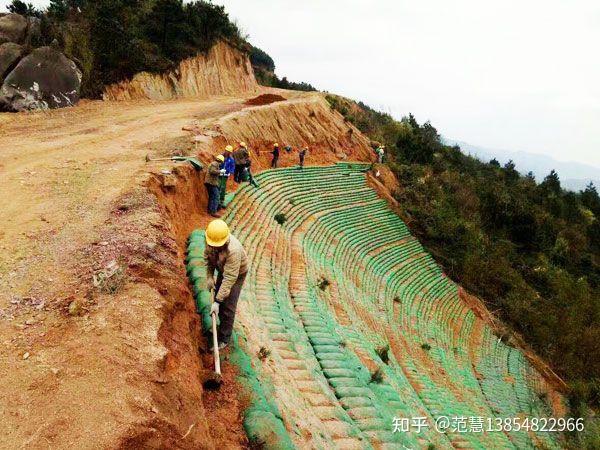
(362, 324)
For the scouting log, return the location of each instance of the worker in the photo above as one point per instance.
(211, 181)
(275, 154)
(302, 155)
(227, 169)
(242, 160)
(380, 153)
(225, 254)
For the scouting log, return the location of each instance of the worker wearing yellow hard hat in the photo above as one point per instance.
(227, 169)
(275, 154)
(211, 182)
(224, 254)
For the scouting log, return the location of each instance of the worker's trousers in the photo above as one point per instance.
(213, 198)
(274, 162)
(228, 307)
(222, 191)
(239, 170)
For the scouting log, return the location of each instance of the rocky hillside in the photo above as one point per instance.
(223, 70)
(33, 79)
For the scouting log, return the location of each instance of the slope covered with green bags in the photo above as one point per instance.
(361, 325)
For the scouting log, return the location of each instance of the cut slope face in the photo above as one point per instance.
(304, 119)
(224, 70)
(334, 287)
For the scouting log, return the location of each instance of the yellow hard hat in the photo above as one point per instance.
(217, 233)
(220, 158)
(275, 144)
(229, 148)
(243, 144)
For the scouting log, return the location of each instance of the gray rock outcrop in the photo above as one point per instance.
(43, 79)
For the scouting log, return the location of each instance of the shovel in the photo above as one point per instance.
(193, 161)
(215, 380)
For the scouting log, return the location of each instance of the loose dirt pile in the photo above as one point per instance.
(265, 99)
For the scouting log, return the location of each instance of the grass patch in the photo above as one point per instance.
(377, 376)
(323, 283)
(383, 353)
(263, 353)
(111, 279)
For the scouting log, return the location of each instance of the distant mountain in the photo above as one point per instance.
(573, 175)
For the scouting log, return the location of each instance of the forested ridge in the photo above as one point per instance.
(529, 248)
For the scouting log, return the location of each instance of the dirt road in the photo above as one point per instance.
(86, 360)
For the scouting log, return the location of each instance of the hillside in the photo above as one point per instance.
(349, 318)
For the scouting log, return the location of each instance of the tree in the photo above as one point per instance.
(494, 162)
(590, 198)
(551, 183)
(25, 9)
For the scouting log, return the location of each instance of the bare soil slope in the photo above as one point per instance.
(97, 323)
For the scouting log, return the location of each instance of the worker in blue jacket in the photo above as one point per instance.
(227, 168)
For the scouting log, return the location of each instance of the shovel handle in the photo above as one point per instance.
(215, 340)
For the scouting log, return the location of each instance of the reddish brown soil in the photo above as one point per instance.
(265, 99)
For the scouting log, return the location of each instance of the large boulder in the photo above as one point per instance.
(43, 79)
(9, 56)
(13, 28)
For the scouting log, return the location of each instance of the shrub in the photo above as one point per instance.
(280, 218)
(263, 353)
(377, 376)
(323, 283)
(383, 353)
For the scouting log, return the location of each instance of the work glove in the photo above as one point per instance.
(210, 283)
(223, 172)
(214, 309)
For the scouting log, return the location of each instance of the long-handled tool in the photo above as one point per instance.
(215, 380)
(193, 161)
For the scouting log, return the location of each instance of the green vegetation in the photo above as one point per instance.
(377, 376)
(264, 70)
(280, 218)
(383, 353)
(25, 9)
(111, 40)
(530, 250)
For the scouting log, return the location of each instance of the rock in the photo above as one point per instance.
(26, 355)
(75, 308)
(10, 53)
(13, 28)
(43, 79)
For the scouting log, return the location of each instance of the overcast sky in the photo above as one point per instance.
(518, 75)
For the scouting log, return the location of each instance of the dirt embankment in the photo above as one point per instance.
(305, 119)
(223, 70)
(97, 321)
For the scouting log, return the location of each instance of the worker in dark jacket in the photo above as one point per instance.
(225, 254)
(227, 169)
(242, 160)
(275, 154)
(302, 155)
(211, 181)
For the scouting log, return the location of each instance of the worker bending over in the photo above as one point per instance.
(211, 181)
(227, 169)
(225, 254)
